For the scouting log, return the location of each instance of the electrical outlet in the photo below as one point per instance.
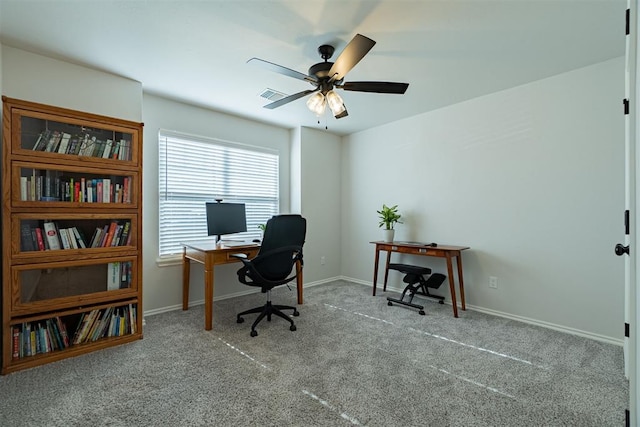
(493, 282)
(323, 261)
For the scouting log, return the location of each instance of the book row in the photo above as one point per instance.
(53, 141)
(45, 336)
(48, 186)
(50, 236)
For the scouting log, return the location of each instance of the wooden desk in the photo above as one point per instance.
(441, 251)
(210, 254)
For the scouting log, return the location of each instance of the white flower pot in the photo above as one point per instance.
(388, 235)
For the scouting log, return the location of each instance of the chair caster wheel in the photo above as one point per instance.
(240, 320)
(254, 333)
(296, 313)
(421, 313)
(389, 303)
(441, 302)
(292, 328)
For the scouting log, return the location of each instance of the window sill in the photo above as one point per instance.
(169, 261)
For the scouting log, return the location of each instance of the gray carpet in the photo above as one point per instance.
(353, 361)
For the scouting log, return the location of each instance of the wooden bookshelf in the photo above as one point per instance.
(71, 233)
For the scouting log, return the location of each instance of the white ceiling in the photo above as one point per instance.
(196, 51)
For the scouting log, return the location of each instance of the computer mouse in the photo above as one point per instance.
(256, 240)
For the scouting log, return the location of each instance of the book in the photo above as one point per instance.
(64, 143)
(113, 276)
(103, 325)
(33, 341)
(95, 239)
(52, 235)
(107, 148)
(15, 333)
(53, 140)
(83, 144)
(26, 239)
(41, 141)
(106, 190)
(109, 234)
(64, 238)
(81, 322)
(86, 326)
(132, 318)
(73, 242)
(63, 331)
(24, 189)
(40, 238)
(79, 237)
(116, 235)
(125, 234)
(93, 324)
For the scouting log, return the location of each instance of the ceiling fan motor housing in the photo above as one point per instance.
(320, 70)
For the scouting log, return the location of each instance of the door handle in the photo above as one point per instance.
(621, 250)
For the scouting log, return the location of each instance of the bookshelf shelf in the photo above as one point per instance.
(72, 261)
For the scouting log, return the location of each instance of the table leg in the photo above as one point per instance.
(452, 286)
(375, 271)
(208, 297)
(386, 271)
(460, 281)
(299, 281)
(186, 268)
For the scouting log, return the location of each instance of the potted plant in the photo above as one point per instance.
(389, 216)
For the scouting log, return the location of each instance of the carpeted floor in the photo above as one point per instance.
(353, 361)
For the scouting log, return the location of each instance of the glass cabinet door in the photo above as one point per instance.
(73, 138)
(48, 285)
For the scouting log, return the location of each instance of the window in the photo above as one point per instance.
(195, 170)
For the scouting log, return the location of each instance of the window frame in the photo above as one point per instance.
(269, 204)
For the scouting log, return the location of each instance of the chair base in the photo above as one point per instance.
(415, 289)
(267, 311)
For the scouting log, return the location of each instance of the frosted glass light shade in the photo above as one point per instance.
(316, 103)
(335, 103)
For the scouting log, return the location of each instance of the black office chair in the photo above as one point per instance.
(280, 250)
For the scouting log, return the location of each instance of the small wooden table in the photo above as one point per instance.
(210, 253)
(414, 248)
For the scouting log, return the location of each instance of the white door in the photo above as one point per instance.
(629, 249)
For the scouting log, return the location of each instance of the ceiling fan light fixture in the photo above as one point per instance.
(316, 103)
(335, 103)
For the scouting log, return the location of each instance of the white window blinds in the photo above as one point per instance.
(195, 170)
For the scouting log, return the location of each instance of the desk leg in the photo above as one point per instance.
(460, 281)
(208, 297)
(386, 271)
(299, 281)
(375, 271)
(186, 268)
(452, 286)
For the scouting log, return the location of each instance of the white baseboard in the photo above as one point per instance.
(543, 324)
(223, 297)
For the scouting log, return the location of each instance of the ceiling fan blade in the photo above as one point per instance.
(377, 87)
(357, 48)
(282, 70)
(288, 99)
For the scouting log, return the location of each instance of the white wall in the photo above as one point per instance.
(320, 201)
(45, 80)
(163, 285)
(531, 178)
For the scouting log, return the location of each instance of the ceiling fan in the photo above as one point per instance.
(327, 76)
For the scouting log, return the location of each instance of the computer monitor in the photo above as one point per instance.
(225, 218)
